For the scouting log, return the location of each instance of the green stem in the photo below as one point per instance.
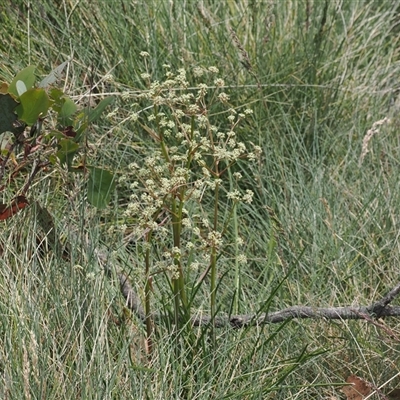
(179, 283)
(147, 294)
(237, 266)
(164, 149)
(213, 263)
(236, 245)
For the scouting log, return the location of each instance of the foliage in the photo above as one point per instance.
(56, 143)
(318, 76)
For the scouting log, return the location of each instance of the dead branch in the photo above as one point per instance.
(377, 310)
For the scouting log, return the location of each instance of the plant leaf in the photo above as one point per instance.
(7, 211)
(358, 388)
(100, 187)
(34, 102)
(68, 108)
(8, 118)
(67, 151)
(92, 115)
(27, 76)
(63, 105)
(3, 88)
(54, 75)
(57, 97)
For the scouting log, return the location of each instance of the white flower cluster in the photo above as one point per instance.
(191, 163)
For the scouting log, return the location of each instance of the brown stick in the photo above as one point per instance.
(377, 310)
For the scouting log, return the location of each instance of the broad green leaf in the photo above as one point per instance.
(92, 115)
(8, 118)
(54, 75)
(57, 96)
(27, 76)
(68, 108)
(34, 102)
(67, 151)
(100, 187)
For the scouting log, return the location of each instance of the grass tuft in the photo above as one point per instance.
(319, 77)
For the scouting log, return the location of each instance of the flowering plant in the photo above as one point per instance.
(177, 191)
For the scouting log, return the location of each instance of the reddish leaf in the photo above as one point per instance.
(7, 211)
(69, 131)
(358, 388)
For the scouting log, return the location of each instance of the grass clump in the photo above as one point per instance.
(317, 76)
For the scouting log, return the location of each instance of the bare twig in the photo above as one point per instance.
(377, 310)
(380, 305)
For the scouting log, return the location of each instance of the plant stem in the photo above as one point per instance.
(236, 236)
(179, 283)
(147, 294)
(164, 149)
(213, 263)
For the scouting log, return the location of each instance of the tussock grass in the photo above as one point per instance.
(318, 75)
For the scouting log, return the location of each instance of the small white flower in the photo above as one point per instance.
(112, 113)
(239, 241)
(248, 197)
(206, 172)
(173, 269)
(257, 150)
(108, 78)
(186, 222)
(179, 114)
(125, 95)
(90, 276)
(234, 195)
(176, 251)
(198, 71)
(242, 259)
(134, 117)
(194, 266)
(215, 238)
(223, 97)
